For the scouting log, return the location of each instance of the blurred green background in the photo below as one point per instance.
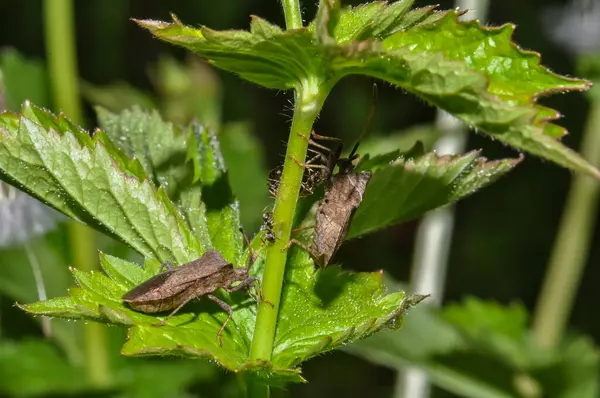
(504, 234)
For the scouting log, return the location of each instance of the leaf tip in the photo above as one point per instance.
(176, 19)
(151, 24)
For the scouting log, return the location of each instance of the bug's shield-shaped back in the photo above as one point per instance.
(335, 213)
(174, 281)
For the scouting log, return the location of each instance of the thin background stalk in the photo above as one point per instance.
(572, 244)
(432, 246)
(39, 285)
(59, 32)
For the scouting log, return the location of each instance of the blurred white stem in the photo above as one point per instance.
(39, 284)
(434, 236)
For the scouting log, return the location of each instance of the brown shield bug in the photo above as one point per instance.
(172, 289)
(343, 194)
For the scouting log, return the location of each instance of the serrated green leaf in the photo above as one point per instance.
(473, 72)
(160, 149)
(164, 152)
(514, 75)
(278, 62)
(371, 20)
(323, 310)
(221, 209)
(90, 180)
(408, 187)
(320, 311)
(116, 96)
(263, 29)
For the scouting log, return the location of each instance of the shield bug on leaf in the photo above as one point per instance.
(172, 289)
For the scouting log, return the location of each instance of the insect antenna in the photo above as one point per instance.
(345, 164)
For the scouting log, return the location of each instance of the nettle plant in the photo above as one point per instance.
(164, 191)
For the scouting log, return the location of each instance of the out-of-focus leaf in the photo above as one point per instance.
(36, 368)
(245, 161)
(18, 282)
(403, 140)
(23, 79)
(188, 92)
(482, 350)
(408, 187)
(575, 371)
(116, 96)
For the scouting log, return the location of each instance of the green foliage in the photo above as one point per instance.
(90, 180)
(430, 54)
(404, 187)
(482, 349)
(22, 79)
(165, 192)
(36, 368)
(320, 311)
(324, 297)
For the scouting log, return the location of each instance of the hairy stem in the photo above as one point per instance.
(293, 15)
(62, 66)
(572, 245)
(308, 103)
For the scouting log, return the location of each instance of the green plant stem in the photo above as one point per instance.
(60, 49)
(62, 66)
(293, 15)
(255, 389)
(572, 244)
(309, 101)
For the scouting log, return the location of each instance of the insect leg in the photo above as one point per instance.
(324, 137)
(308, 165)
(259, 291)
(243, 284)
(252, 258)
(302, 228)
(185, 300)
(297, 242)
(167, 264)
(315, 255)
(227, 308)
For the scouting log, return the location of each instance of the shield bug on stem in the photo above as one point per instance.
(343, 194)
(172, 289)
